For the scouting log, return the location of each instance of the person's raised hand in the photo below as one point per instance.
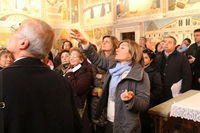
(75, 34)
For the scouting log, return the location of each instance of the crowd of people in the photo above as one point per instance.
(85, 90)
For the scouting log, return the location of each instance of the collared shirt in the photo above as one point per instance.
(20, 58)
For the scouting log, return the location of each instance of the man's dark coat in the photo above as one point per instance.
(37, 99)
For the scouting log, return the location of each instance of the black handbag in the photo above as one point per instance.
(2, 104)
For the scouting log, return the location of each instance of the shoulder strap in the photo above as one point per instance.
(2, 104)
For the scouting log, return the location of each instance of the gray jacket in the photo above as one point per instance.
(126, 113)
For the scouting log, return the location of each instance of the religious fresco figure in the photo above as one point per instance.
(182, 4)
(122, 6)
(129, 8)
(74, 11)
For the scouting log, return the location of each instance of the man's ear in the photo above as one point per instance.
(24, 44)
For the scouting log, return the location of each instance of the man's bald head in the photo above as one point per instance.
(38, 35)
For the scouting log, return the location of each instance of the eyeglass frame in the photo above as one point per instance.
(14, 28)
(74, 56)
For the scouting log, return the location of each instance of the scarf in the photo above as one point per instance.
(183, 48)
(116, 77)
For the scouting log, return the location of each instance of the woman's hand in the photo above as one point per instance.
(75, 34)
(127, 95)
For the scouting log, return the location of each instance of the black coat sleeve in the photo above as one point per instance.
(156, 87)
(76, 117)
(186, 75)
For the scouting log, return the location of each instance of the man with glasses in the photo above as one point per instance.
(37, 100)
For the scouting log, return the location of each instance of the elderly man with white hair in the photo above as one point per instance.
(37, 100)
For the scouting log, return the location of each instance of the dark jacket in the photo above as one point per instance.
(81, 82)
(56, 60)
(61, 69)
(37, 99)
(155, 83)
(126, 113)
(174, 68)
(198, 66)
(155, 97)
(194, 50)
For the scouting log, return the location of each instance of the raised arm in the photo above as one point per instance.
(92, 55)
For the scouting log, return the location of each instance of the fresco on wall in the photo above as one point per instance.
(18, 10)
(13, 12)
(129, 8)
(4, 38)
(89, 3)
(96, 34)
(59, 8)
(60, 36)
(90, 34)
(67, 10)
(97, 12)
(180, 28)
(31, 7)
(74, 11)
(182, 4)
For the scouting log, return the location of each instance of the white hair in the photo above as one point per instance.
(40, 36)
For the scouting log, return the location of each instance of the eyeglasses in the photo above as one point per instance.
(74, 56)
(14, 28)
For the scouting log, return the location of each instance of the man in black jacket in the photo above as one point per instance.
(193, 54)
(173, 67)
(37, 100)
